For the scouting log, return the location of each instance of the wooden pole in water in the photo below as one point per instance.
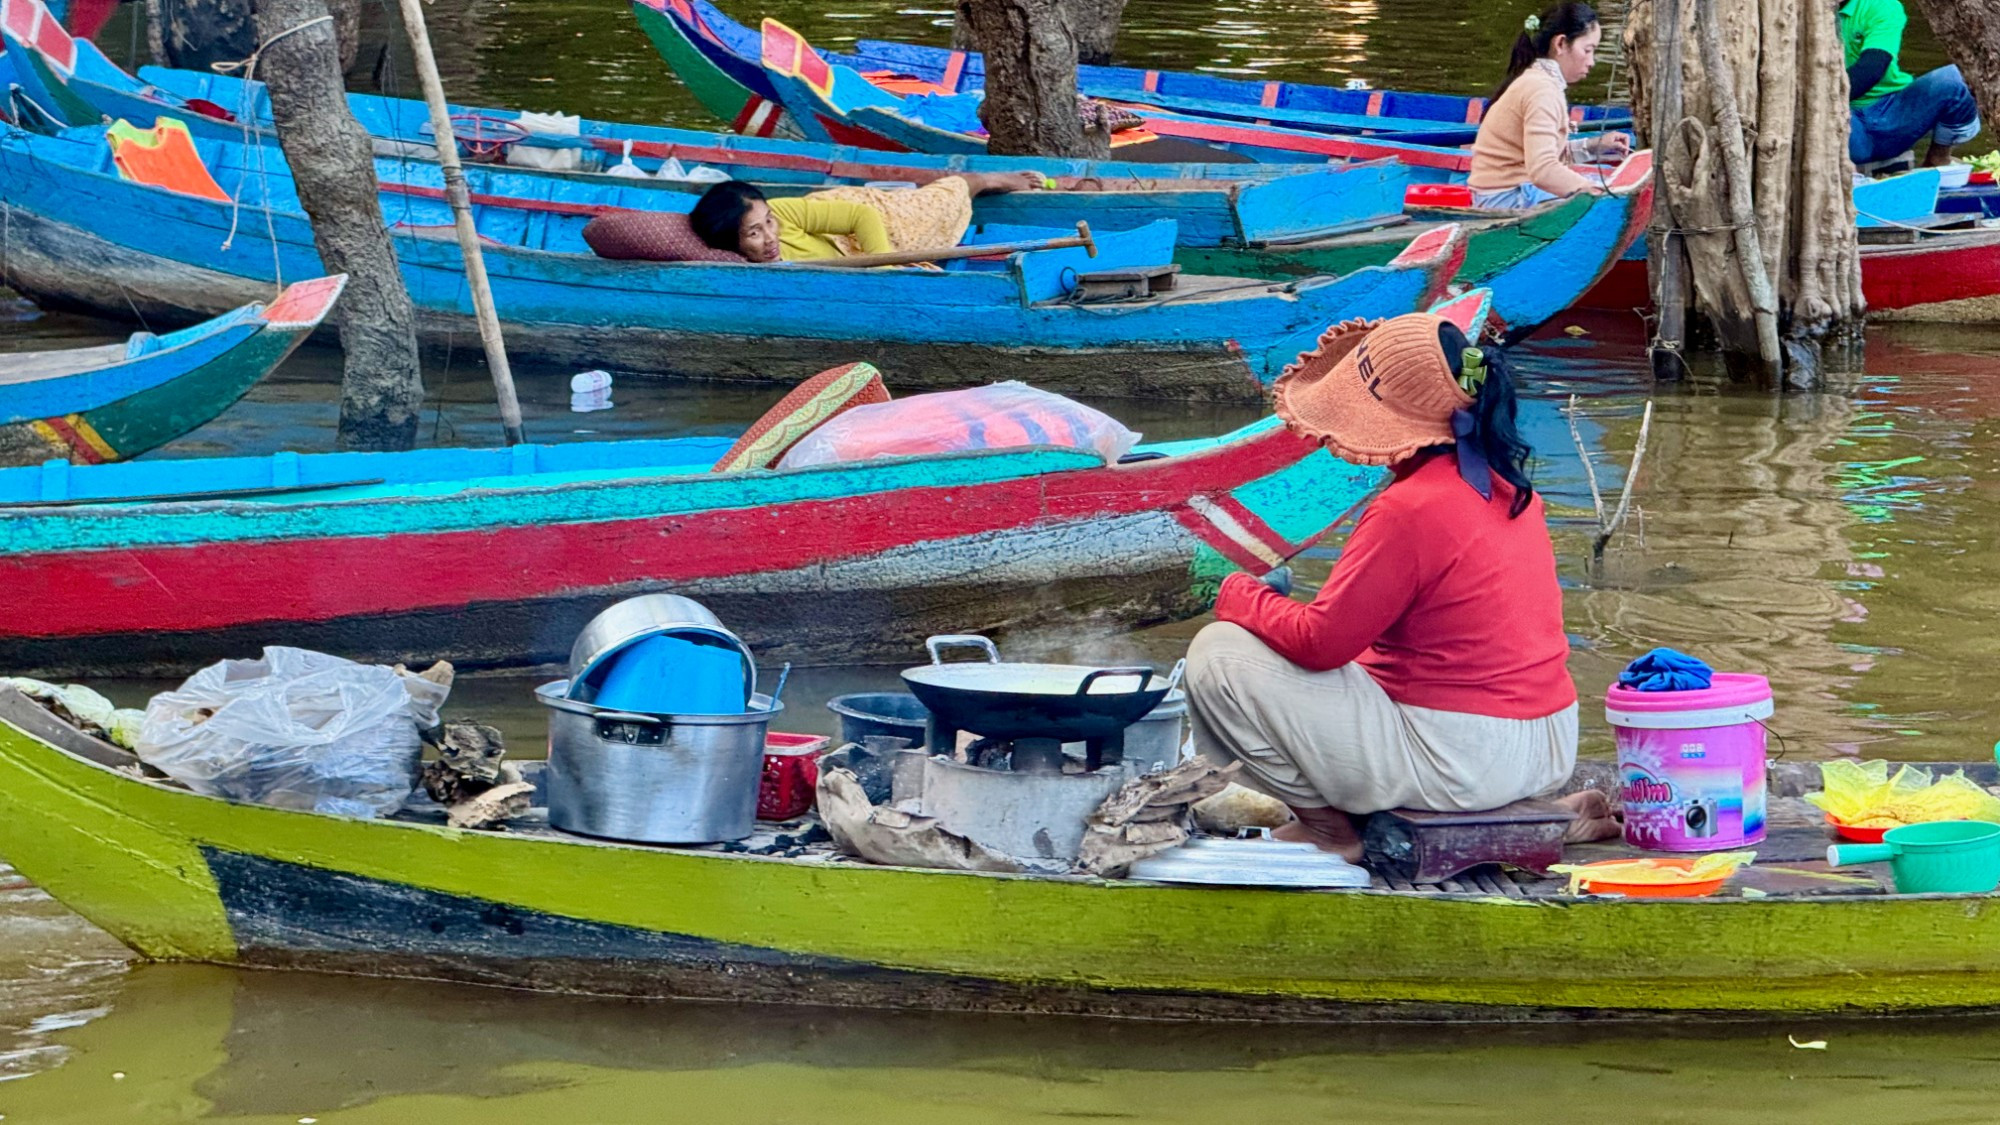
(1668, 257)
(461, 209)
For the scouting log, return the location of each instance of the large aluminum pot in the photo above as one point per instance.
(653, 779)
(647, 615)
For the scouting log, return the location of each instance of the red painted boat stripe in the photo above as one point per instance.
(740, 125)
(1321, 145)
(214, 585)
(1255, 525)
(508, 201)
(1270, 97)
(1151, 83)
(79, 448)
(1206, 531)
(1375, 104)
(954, 68)
(1475, 110)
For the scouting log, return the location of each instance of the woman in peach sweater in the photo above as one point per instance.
(1523, 155)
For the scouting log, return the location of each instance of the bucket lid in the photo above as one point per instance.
(1727, 689)
(628, 622)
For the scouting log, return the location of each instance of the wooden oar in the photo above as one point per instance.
(911, 257)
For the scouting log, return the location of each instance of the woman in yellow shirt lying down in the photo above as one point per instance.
(840, 221)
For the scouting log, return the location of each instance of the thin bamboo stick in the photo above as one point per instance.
(460, 199)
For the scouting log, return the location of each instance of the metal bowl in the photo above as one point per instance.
(648, 615)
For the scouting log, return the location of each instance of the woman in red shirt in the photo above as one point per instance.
(1431, 669)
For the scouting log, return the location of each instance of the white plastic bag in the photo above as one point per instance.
(296, 729)
(999, 416)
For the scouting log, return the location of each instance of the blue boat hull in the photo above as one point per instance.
(1215, 205)
(78, 233)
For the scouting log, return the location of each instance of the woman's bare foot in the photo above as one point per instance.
(1595, 818)
(1329, 830)
(994, 183)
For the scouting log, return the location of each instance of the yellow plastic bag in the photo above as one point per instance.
(1866, 795)
(1652, 871)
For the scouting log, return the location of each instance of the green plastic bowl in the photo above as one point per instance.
(1941, 857)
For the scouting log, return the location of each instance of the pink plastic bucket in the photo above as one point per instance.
(1691, 763)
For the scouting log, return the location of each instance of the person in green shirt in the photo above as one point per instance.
(1888, 110)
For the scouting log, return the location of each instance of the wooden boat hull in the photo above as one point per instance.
(118, 410)
(183, 877)
(1536, 264)
(1951, 277)
(500, 564)
(832, 103)
(83, 236)
(710, 52)
(1219, 205)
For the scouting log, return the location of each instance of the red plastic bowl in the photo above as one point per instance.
(791, 774)
(1857, 835)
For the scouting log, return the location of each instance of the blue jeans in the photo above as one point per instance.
(1937, 104)
(1512, 199)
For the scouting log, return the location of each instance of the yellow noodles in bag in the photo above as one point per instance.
(1866, 795)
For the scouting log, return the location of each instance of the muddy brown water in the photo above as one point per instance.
(1840, 542)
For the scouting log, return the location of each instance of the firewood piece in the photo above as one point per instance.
(502, 802)
(468, 762)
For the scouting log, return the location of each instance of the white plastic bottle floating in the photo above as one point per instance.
(1357, 84)
(589, 401)
(586, 381)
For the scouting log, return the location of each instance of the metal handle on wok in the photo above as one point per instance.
(1144, 675)
(961, 640)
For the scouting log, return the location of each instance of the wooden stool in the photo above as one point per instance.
(1425, 847)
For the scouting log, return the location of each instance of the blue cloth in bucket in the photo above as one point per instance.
(1663, 669)
(669, 675)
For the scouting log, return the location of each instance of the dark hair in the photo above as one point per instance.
(1493, 412)
(1573, 20)
(717, 218)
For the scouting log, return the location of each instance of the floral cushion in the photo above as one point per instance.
(808, 405)
(651, 236)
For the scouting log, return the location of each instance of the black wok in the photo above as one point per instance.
(1070, 702)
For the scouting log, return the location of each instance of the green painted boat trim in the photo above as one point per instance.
(126, 854)
(716, 92)
(1491, 247)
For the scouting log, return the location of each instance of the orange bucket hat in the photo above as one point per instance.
(1374, 392)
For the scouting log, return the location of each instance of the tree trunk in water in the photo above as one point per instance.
(1095, 23)
(332, 160)
(1970, 33)
(1030, 51)
(1782, 63)
(195, 34)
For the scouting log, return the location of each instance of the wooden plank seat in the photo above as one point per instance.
(1421, 846)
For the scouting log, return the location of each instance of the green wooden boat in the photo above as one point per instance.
(116, 401)
(178, 876)
(1536, 263)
